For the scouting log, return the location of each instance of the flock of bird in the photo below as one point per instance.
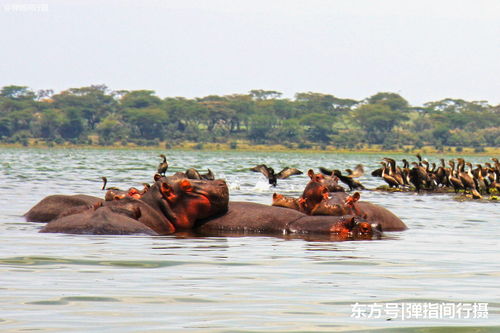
(451, 174)
(417, 175)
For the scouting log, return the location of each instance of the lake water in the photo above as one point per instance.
(448, 259)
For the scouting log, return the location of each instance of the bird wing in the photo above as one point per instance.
(209, 175)
(192, 173)
(287, 172)
(358, 171)
(377, 172)
(263, 169)
(325, 171)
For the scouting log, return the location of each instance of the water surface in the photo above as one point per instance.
(87, 283)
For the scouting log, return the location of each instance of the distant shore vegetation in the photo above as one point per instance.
(98, 116)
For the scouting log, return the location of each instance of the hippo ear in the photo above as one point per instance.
(324, 193)
(97, 205)
(356, 196)
(275, 195)
(310, 173)
(185, 186)
(157, 177)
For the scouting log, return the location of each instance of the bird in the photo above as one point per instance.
(418, 176)
(453, 178)
(395, 172)
(192, 173)
(388, 178)
(269, 173)
(466, 177)
(163, 166)
(105, 182)
(349, 179)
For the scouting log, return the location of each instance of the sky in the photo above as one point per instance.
(424, 50)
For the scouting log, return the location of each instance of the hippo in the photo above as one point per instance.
(51, 206)
(328, 181)
(170, 205)
(369, 211)
(316, 200)
(183, 200)
(101, 220)
(255, 218)
(281, 200)
(176, 204)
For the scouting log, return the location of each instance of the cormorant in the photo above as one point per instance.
(349, 179)
(273, 177)
(163, 166)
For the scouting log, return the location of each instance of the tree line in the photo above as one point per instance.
(98, 115)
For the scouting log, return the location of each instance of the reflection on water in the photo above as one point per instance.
(61, 283)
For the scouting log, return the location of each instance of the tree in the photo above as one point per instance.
(182, 114)
(441, 134)
(392, 100)
(377, 120)
(71, 126)
(140, 99)
(92, 102)
(148, 123)
(318, 127)
(5, 127)
(50, 121)
(244, 108)
(323, 103)
(290, 131)
(217, 112)
(17, 92)
(111, 129)
(260, 128)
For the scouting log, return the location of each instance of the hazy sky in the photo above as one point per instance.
(425, 50)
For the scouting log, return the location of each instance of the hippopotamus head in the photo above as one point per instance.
(281, 200)
(190, 200)
(330, 182)
(366, 229)
(354, 228)
(313, 194)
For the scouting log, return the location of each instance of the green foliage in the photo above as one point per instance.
(260, 128)
(377, 120)
(392, 100)
(111, 129)
(261, 116)
(319, 127)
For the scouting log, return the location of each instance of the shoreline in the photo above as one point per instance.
(248, 147)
